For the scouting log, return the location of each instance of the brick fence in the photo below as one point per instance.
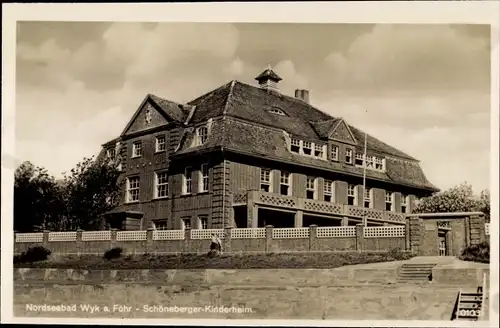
(268, 239)
(423, 234)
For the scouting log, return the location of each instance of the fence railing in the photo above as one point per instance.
(335, 232)
(34, 237)
(386, 231)
(248, 233)
(206, 233)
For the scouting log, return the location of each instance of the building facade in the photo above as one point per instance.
(250, 156)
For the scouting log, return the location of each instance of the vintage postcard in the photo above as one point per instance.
(330, 164)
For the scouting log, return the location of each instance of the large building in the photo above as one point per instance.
(250, 156)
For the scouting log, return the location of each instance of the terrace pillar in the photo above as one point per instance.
(46, 238)
(313, 237)
(79, 242)
(299, 219)
(345, 221)
(187, 240)
(149, 240)
(269, 238)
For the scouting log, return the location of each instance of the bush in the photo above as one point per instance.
(33, 254)
(477, 253)
(398, 254)
(113, 253)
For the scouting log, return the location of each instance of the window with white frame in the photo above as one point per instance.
(327, 191)
(311, 188)
(318, 151)
(295, 146)
(369, 162)
(185, 223)
(379, 163)
(202, 222)
(111, 153)
(161, 181)
(204, 178)
(404, 203)
(132, 189)
(277, 111)
(137, 149)
(307, 148)
(187, 186)
(389, 201)
(201, 135)
(367, 198)
(335, 153)
(161, 224)
(351, 194)
(359, 159)
(285, 183)
(348, 156)
(265, 180)
(160, 144)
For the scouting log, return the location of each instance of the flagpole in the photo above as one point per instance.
(365, 221)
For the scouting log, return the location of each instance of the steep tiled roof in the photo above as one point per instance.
(172, 109)
(323, 128)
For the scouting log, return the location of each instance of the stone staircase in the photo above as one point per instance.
(415, 272)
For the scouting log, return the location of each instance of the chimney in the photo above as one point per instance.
(302, 95)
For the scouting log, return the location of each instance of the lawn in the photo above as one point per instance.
(309, 260)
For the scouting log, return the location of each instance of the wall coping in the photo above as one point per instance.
(455, 214)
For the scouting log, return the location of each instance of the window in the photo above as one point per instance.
(351, 194)
(202, 222)
(161, 185)
(265, 180)
(161, 225)
(160, 144)
(348, 156)
(285, 183)
(295, 146)
(369, 162)
(379, 163)
(327, 190)
(111, 153)
(187, 186)
(359, 159)
(186, 223)
(202, 135)
(132, 189)
(277, 111)
(137, 149)
(335, 153)
(389, 196)
(318, 150)
(311, 188)
(307, 148)
(367, 198)
(404, 203)
(204, 178)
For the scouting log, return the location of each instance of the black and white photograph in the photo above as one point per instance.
(185, 170)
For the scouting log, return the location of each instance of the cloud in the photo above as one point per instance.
(412, 57)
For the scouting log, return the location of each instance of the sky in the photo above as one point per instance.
(424, 89)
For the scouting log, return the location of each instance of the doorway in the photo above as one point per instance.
(442, 244)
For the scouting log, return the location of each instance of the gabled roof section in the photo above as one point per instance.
(154, 111)
(341, 132)
(211, 104)
(268, 74)
(324, 128)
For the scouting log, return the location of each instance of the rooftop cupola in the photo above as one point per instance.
(268, 79)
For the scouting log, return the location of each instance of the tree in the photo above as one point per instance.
(91, 189)
(37, 198)
(457, 199)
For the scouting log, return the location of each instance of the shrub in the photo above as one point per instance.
(398, 254)
(33, 254)
(477, 253)
(113, 253)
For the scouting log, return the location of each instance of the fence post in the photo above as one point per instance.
(227, 239)
(407, 235)
(46, 238)
(149, 240)
(113, 237)
(360, 237)
(187, 240)
(79, 243)
(313, 237)
(269, 238)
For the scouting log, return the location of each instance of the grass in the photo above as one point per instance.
(309, 260)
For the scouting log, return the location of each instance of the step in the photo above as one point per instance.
(416, 271)
(421, 265)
